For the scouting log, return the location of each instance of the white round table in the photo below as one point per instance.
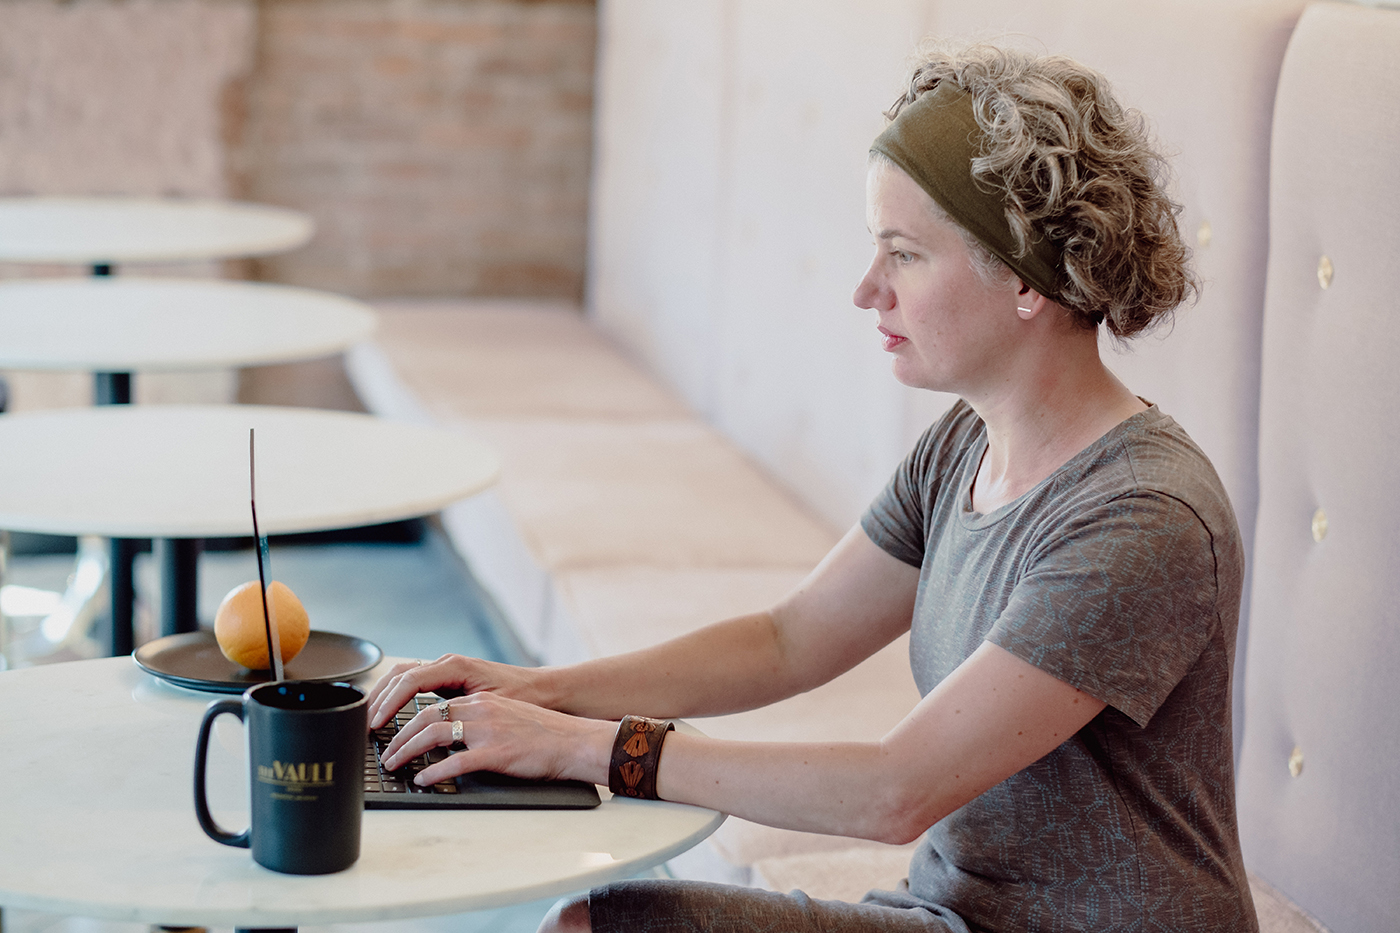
(98, 820)
(103, 231)
(142, 325)
(181, 472)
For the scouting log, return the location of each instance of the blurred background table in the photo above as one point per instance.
(109, 830)
(181, 472)
(146, 325)
(101, 232)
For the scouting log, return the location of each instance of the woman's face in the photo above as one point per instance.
(946, 328)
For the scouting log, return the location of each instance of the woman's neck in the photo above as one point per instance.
(1053, 408)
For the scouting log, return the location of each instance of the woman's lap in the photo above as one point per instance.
(661, 906)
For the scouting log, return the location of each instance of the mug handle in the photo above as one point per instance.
(201, 752)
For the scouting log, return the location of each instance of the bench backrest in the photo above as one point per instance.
(1319, 786)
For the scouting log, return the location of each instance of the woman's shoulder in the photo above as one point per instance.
(1162, 457)
(1151, 457)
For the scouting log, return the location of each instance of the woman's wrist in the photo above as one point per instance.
(546, 688)
(593, 751)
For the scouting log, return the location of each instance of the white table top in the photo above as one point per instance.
(142, 325)
(181, 471)
(118, 839)
(119, 229)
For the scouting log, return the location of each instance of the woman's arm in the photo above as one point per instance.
(855, 602)
(989, 719)
(993, 716)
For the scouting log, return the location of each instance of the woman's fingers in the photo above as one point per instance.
(382, 683)
(416, 725)
(392, 693)
(452, 675)
(464, 762)
(395, 689)
(422, 740)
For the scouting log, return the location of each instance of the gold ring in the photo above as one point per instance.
(457, 731)
(442, 711)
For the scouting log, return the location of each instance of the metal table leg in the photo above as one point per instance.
(121, 571)
(115, 389)
(111, 388)
(179, 584)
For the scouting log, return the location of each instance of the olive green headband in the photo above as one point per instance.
(934, 140)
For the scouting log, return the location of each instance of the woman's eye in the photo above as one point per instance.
(902, 256)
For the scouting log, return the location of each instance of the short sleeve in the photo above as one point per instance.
(1119, 602)
(898, 520)
(895, 520)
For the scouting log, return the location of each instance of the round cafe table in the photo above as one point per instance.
(149, 325)
(181, 472)
(103, 231)
(98, 820)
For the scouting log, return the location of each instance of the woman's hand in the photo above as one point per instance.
(507, 736)
(451, 674)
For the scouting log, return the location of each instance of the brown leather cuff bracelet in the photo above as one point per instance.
(635, 754)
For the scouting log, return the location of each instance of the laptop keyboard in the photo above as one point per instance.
(379, 779)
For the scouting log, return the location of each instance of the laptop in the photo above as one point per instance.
(395, 790)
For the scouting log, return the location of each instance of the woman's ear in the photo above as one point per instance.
(1029, 302)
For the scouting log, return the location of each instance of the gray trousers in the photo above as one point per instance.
(662, 906)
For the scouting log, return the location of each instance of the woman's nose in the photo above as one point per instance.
(871, 293)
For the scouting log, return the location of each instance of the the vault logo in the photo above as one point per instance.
(297, 775)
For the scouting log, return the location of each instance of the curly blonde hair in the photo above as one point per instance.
(1074, 166)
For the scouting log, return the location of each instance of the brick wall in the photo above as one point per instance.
(443, 146)
(103, 97)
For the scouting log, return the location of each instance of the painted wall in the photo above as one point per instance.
(728, 224)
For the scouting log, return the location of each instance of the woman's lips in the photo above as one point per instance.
(889, 340)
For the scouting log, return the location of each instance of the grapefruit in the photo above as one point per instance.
(239, 628)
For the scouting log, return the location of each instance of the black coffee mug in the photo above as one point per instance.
(306, 752)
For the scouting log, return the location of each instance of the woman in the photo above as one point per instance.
(1065, 557)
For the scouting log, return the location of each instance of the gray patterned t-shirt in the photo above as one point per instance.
(1119, 574)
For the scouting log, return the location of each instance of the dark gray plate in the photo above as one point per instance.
(194, 660)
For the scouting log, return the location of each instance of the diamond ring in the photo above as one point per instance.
(442, 711)
(457, 731)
